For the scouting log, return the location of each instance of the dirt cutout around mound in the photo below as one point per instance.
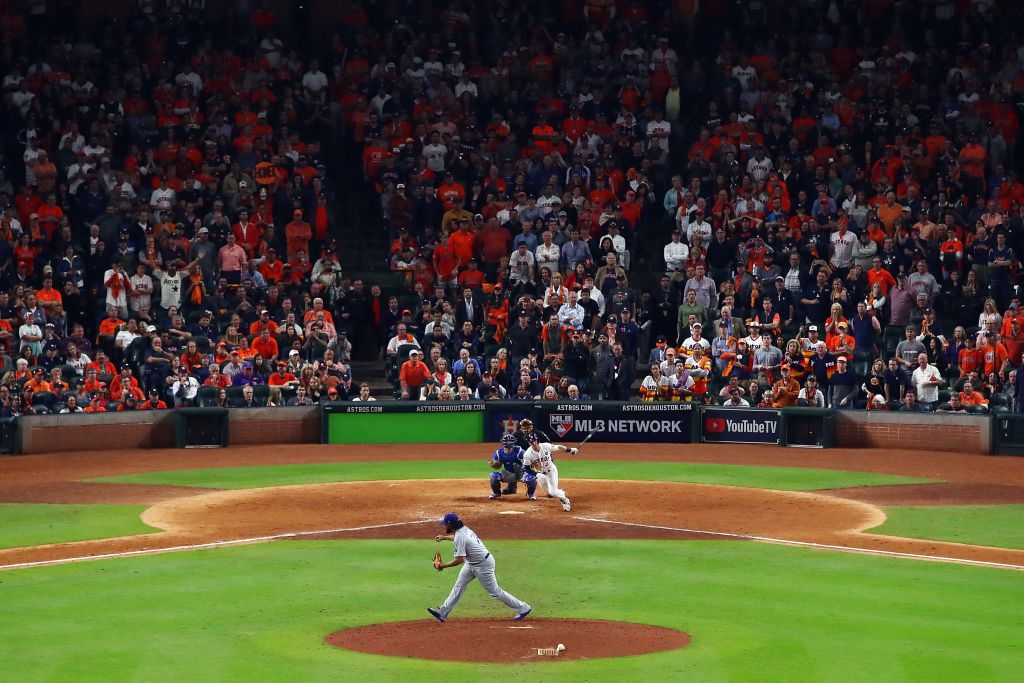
(507, 641)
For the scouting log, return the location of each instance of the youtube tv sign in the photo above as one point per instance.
(739, 425)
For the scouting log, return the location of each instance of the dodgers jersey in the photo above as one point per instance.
(469, 545)
(541, 461)
(509, 459)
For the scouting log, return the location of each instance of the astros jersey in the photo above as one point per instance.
(540, 461)
(509, 459)
(469, 546)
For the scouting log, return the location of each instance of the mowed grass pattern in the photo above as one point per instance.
(780, 478)
(755, 611)
(999, 526)
(23, 524)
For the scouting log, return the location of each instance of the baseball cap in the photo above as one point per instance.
(812, 328)
(450, 519)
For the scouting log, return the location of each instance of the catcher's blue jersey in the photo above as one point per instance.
(511, 460)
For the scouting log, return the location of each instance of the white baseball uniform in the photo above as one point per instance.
(479, 565)
(547, 472)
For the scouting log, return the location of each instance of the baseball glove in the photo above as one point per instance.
(437, 561)
(495, 464)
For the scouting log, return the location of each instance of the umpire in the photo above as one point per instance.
(526, 428)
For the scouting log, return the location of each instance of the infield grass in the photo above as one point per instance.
(755, 612)
(999, 526)
(780, 478)
(24, 524)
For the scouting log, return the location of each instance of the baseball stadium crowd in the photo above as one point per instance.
(764, 203)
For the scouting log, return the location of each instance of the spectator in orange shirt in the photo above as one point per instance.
(50, 215)
(45, 172)
(102, 364)
(126, 381)
(889, 211)
(413, 374)
(471, 276)
(37, 383)
(298, 233)
(969, 359)
(265, 345)
(264, 322)
(272, 268)
(463, 243)
(880, 275)
(95, 404)
(318, 307)
(154, 402)
(993, 355)
(47, 296)
(111, 323)
(282, 378)
(973, 400)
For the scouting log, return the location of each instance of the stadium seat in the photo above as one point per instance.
(207, 396)
(45, 398)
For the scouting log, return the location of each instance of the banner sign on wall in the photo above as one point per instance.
(615, 422)
(502, 417)
(739, 425)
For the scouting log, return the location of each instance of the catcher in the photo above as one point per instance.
(507, 463)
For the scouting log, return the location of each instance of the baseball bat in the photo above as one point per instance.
(592, 432)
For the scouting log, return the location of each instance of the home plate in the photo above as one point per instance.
(511, 512)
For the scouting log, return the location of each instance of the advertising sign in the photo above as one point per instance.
(739, 425)
(616, 422)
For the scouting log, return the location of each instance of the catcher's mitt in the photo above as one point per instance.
(495, 464)
(437, 561)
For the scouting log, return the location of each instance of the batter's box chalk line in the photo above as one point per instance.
(808, 544)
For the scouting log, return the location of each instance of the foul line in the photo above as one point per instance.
(808, 544)
(199, 546)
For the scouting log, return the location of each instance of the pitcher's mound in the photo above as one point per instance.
(504, 640)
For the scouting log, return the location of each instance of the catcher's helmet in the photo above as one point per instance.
(508, 440)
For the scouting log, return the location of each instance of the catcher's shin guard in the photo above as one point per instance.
(496, 483)
(531, 484)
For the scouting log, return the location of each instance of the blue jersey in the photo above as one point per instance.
(511, 460)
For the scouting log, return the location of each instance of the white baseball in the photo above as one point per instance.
(560, 647)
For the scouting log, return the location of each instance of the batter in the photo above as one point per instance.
(538, 458)
(477, 563)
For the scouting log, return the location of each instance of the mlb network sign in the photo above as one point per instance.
(739, 425)
(617, 422)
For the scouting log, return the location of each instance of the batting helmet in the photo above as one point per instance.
(508, 440)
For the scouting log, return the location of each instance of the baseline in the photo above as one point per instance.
(809, 544)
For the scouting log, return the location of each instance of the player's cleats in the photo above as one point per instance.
(522, 615)
(566, 505)
(436, 614)
(494, 496)
(533, 497)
